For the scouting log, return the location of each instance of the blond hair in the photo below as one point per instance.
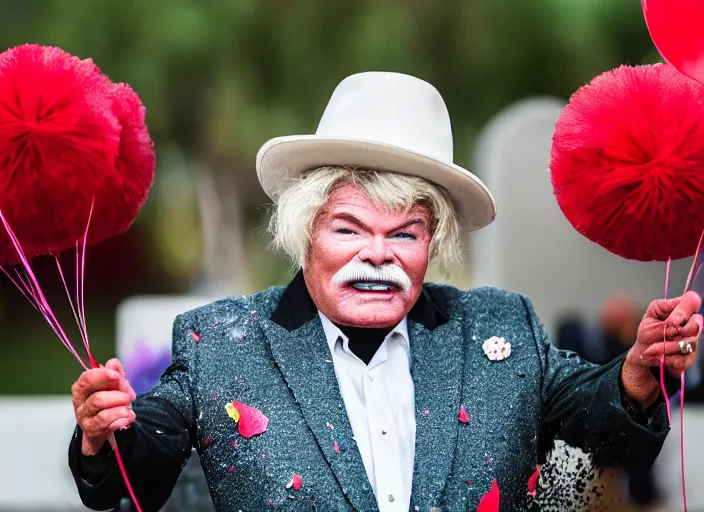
(293, 218)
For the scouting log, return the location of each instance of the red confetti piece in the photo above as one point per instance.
(296, 482)
(468, 482)
(196, 337)
(234, 444)
(336, 447)
(208, 441)
(427, 413)
(463, 415)
(232, 468)
(490, 501)
(533, 481)
(251, 422)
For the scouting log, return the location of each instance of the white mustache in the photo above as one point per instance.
(357, 270)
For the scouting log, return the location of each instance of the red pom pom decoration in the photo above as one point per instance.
(677, 29)
(70, 140)
(627, 162)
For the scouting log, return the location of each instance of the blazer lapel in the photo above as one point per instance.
(304, 359)
(437, 359)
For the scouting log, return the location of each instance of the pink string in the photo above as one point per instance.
(41, 300)
(70, 301)
(26, 294)
(664, 391)
(83, 267)
(662, 357)
(113, 443)
(33, 292)
(684, 486)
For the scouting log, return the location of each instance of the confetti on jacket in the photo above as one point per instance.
(250, 421)
(490, 501)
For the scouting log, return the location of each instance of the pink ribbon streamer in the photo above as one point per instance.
(29, 287)
(691, 278)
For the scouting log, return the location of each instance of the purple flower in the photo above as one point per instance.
(144, 366)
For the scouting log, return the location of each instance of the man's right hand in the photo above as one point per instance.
(101, 402)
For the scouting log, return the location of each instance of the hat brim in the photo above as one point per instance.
(283, 159)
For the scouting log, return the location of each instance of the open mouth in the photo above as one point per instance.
(374, 286)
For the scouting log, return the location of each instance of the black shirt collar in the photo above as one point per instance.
(296, 307)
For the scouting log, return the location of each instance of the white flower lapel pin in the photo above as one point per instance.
(496, 349)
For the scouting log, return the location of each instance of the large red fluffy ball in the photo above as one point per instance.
(68, 137)
(627, 162)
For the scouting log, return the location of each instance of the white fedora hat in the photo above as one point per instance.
(387, 122)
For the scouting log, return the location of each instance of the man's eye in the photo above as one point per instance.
(344, 231)
(408, 236)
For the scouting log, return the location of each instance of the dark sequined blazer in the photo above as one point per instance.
(269, 351)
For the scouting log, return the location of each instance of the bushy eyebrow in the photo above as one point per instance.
(357, 222)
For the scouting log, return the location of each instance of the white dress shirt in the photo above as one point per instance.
(380, 403)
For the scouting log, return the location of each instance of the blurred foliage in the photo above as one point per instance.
(220, 77)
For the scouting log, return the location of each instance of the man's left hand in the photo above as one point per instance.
(671, 327)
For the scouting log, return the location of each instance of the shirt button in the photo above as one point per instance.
(391, 497)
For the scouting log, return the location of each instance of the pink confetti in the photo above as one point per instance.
(252, 320)
(463, 415)
(427, 413)
(234, 444)
(336, 447)
(296, 482)
(232, 468)
(490, 501)
(196, 337)
(533, 481)
(490, 461)
(208, 441)
(468, 482)
(252, 422)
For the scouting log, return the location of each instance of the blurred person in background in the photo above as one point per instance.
(618, 319)
(380, 391)
(612, 335)
(618, 322)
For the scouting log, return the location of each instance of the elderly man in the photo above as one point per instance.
(359, 387)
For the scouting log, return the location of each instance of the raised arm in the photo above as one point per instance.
(585, 405)
(156, 445)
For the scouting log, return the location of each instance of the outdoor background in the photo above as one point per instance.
(220, 77)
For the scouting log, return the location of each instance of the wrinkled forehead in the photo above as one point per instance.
(351, 201)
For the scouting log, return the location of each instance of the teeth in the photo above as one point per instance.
(372, 287)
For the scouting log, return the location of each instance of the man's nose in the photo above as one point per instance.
(377, 252)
